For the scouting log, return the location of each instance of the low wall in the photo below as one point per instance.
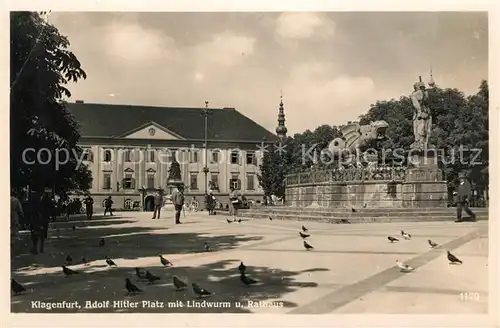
(381, 193)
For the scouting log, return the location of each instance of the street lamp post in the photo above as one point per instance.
(205, 112)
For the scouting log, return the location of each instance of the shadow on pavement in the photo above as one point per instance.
(132, 246)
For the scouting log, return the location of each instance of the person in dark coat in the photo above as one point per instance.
(108, 206)
(89, 206)
(210, 201)
(39, 220)
(463, 197)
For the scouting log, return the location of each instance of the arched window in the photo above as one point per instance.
(128, 204)
(127, 156)
(88, 155)
(235, 157)
(128, 181)
(107, 155)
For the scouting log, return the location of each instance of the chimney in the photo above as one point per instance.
(79, 101)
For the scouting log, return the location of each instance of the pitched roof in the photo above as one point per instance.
(103, 120)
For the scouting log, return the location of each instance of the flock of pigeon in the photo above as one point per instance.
(142, 275)
(200, 292)
(405, 267)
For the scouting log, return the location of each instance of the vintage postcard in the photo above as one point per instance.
(302, 162)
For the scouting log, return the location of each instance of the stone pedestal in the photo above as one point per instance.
(174, 183)
(424, 185)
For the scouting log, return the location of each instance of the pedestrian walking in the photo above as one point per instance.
(158, 204)
(234, 202)
(178, 200)
(210, 201)
(89, 206)
(108, 206)
(463, 198)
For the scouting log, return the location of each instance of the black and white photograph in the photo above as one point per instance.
(249, 162)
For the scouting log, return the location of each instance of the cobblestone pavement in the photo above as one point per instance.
(350, 270)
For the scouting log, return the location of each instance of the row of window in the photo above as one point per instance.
(193, 157)
(128, 182)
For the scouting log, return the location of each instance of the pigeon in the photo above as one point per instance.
(200, 292)
(69, 259)
(151, 277)
(432, 244)
(345, 221)
(139, 273)
(364, 205)
(239, 220)
(404, 267)
(453, 259)
(229, 221)
(16, 287)
(307, 246)
(405, 235)
(304, 229)
(85, 261)
(110, 262)
(101, 242)
(392, 239)
(353, 210)
(68, 271)
(270, 218)
(207, 247)
(131, 288)
(247, 280)
(304, 235)
(165, 262)
(74, 227)
(242, 268)
(179, 284)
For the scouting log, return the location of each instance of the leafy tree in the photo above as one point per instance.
(273, 170)
(275, 167)
(302, 142)
(472, 133)
(40, 68)
(398, 114)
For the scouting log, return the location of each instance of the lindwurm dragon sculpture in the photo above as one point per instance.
(355, 136)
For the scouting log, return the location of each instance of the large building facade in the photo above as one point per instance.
(129, 150)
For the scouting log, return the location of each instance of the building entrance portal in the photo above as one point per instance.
(149, 203)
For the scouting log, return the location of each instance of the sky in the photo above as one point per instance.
(329, 67)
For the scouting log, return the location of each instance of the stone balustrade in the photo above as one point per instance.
(353, 174)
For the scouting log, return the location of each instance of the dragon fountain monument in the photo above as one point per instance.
(356, 138)
(421, 185)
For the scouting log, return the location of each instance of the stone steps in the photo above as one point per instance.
(360, 216)
(366, 219)
(343, 214)
(369, 210)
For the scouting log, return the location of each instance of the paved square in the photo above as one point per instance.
(350, 270)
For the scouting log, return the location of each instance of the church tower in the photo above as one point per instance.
(432, 83)
(281, 130)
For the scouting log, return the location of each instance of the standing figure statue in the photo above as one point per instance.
(422, 117)
(174, 172)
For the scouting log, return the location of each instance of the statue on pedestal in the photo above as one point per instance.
(422, 117)
(174, 174)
